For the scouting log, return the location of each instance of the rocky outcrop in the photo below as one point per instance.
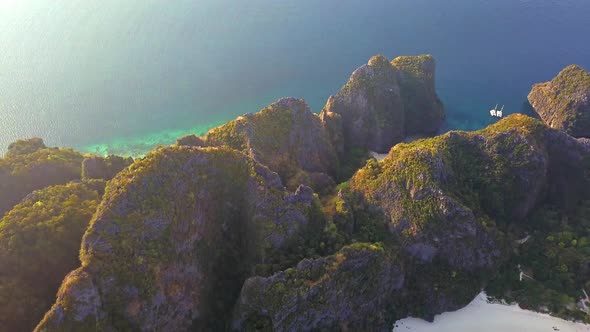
(443, 198)
(564, 102)
(353, 290)
(436, 191)
(175, 237)
(288, 138)
(96, 167)
(39, 244)
(29, 166)
(384, 101)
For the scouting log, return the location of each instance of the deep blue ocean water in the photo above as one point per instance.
(122, 76)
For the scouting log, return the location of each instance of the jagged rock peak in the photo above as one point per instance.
(384, 101)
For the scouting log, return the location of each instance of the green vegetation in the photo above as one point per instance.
(570, 80)
(321, 285)
(351, 161)
(39, 243)
(415, 66)
(228, 134)
(480, 176)
(557, 257)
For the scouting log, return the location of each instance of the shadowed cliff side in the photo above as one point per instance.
(382, 102)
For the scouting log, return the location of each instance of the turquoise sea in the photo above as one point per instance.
(120, 76)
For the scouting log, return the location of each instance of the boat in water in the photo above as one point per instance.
(495, 112)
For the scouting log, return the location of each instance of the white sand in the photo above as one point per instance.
(481, 316)
(378, 156)
(408, 139)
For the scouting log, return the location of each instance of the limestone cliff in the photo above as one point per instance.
(174, 239)
(564, 102)
(384, 101)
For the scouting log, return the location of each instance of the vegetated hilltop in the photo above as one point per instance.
(39, 243)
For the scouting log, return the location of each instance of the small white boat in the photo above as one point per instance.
(495, 112)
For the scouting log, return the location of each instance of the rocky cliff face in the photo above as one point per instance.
(564, 102)
(29, 165)
(288, 138)
(383, 102)
(174, 239)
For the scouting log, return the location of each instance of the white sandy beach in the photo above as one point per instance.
(378, 156)
(482, 316)
(408, 139)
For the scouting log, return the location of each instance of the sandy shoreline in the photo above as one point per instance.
(408, 139)
(482, 316)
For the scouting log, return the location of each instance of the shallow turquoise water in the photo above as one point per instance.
(122, 76)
